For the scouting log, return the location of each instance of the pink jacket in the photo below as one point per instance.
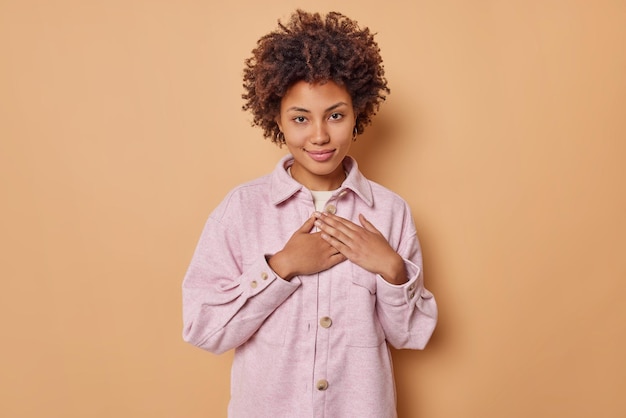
(315, 346)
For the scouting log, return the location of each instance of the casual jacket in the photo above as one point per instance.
(315, 346)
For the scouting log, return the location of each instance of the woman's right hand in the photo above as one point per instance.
(305, 253)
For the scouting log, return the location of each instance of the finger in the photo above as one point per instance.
(335, 243)
(338, 227)
(338, 258)
(338, 221)
(334, 260)
(308, 225)
(367, 224)
(329, 217)
(330, 231)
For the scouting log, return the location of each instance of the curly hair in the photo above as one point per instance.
(314, 49)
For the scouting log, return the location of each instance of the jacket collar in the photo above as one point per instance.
(283, 186)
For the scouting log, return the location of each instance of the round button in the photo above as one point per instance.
(331, 209)
(253, 284)
(326, 322)
(322, 384)
(264, 276)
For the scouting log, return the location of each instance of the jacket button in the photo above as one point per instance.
(331, 209)
(322, 384)
(326, 322)
(264, 276)
(253, 284)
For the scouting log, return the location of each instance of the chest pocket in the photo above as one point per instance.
(364, 328)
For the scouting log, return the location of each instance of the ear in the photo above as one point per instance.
(277, 120)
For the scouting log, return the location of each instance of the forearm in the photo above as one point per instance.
(219, 318)
(408, 312)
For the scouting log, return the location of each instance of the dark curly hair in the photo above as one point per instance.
(314, 49)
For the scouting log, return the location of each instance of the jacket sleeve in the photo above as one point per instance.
(225, 302)
(408, 312)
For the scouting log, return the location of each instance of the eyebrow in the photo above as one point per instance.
(302, 109)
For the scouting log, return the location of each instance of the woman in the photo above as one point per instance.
(310, 271)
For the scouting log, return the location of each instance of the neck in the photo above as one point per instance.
(320, 183)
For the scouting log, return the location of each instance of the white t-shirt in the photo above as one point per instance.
(320, 197)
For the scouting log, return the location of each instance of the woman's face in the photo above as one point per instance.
(318, 123)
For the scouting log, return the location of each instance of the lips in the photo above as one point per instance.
(322, 155)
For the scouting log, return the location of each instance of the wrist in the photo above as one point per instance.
(278, 264)
(396, 274)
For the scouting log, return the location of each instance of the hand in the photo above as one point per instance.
(362, 244)
(305, 253)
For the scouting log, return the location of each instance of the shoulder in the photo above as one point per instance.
(372, 192)
(391, 206)
(258, 185)
(244, 197)
(385, 197)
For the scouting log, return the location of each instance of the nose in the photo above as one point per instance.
(320, 135)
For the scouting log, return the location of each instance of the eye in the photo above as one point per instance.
(299, 119)
(335, 116)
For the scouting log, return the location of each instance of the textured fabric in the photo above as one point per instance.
(315, 346)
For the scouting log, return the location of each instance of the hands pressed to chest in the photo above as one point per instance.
(338, 240)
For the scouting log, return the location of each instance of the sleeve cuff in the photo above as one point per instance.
(406, 293)
(260, 276)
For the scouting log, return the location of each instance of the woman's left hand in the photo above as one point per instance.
(363, 244)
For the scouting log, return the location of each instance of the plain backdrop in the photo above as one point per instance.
(121, 129)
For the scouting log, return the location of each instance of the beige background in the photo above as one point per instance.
(121, 129)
